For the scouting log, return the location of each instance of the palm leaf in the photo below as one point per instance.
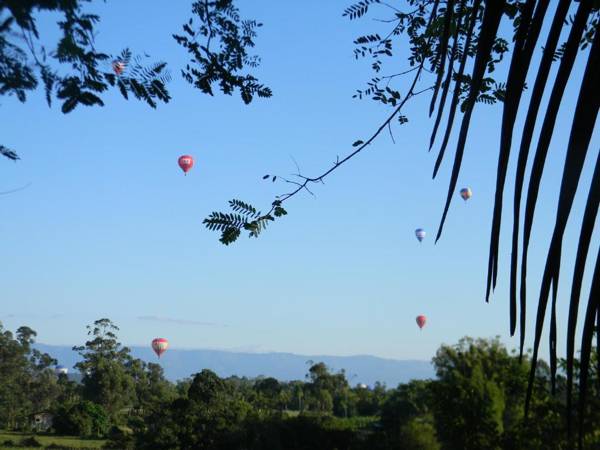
(526, 137)
(457, 87)
(585, 238)
(584, 119)
(443, 53)
(519, 66)
(489, 27)
(448, 80)
(593, 308)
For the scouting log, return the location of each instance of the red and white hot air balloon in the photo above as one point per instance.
(186, 162)
(421, 321)
(118, 67)
(160, 345)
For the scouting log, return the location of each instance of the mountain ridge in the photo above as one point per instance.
(285, 366)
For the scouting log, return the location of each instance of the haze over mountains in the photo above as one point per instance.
(180, 364)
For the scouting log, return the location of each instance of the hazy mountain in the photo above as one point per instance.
(179, 364)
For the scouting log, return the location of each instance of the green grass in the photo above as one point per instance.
(47, 439)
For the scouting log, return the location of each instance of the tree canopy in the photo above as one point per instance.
(475, 401)
(75, 72)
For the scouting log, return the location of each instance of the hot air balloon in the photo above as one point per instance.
(421, 321)
(466, 193)
(60, 370)
(186, 162)
(160, 345)
(420, 233)
(118, 67)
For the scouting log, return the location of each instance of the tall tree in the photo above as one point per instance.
(106, 379)
(209, 417)
(28, 385)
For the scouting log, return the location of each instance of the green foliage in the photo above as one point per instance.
(28, 384)
(81, 419)
(90, 72)
(151, 387)
(120, 438)
(243, 217)
(405, 403)
(221, 65)
(369, 402)
(75, 72)
(106, 380)
(469, 397)
(358, 9)
(209, 418)
(419, 434)
(8, 153)
(475, 402)
(13, 440)
(30, 442)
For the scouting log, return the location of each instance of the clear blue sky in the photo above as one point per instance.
(110, 227)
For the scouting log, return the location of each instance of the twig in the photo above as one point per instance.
(307, 180)
(16, 190)
(208, 22)
(391, 134)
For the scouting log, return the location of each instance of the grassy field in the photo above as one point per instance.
(47, 440)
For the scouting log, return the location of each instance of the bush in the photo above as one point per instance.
(30, 442)
(120, 438)
(82, 419)
(8, 443)
(419, 434)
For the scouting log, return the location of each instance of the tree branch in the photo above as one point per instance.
(308, 180)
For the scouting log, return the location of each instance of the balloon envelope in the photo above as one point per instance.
(118, 67)
(160, 345)
(186, 162)
(421, 321)
(58, 370)
(466, 193)
(420, 234)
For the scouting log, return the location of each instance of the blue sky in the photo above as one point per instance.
(110, 227)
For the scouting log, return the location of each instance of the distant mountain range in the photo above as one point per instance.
(180, 364)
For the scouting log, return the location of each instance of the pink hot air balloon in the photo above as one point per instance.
(421, 321)
(186, 162)
(160, 345)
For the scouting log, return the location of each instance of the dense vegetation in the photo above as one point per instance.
(476, 401)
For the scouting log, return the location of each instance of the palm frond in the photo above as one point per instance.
(585, 238)
(592, 310)
(457, 86)
(489, 28)
(516, 77)
(526, 138)
(584, 119)
(446, 85)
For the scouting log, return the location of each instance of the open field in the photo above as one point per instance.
(47, 440)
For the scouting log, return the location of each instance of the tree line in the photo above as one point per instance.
(475, 401)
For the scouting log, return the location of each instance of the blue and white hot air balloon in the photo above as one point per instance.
(60, 370)
(420, 234)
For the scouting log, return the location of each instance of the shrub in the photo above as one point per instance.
(30, 442)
